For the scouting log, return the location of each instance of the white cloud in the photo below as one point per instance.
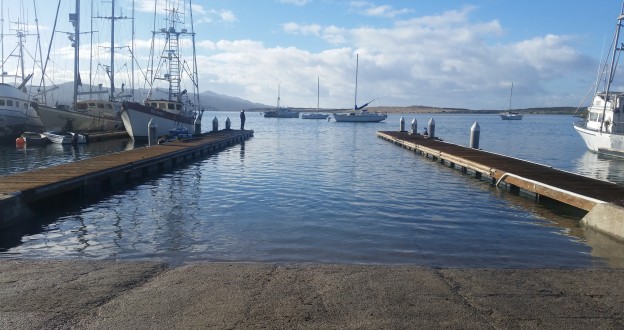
(371, 9)
(439, 60)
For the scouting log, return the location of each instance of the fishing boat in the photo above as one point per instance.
(88, 114)
(603, 128)
(280, 112)
(317, 114)
(16, 111)
(174, 108)
(510, 115)
(60, 137)
(359, 114)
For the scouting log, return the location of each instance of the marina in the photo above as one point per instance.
(346, 196)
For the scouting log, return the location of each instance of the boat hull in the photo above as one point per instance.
(511, 117)
(63, 119)
(136, 118)
(281, 114)
(359, 117)
(601, 142)
(17, 117)
(314, 116)
(65, 137)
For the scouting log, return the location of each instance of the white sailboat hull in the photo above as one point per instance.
(19, 116)
(367, 117)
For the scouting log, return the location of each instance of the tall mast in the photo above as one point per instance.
(2, 36)
(112, 56)
(357, 60)
(318, 92)
(75, 20)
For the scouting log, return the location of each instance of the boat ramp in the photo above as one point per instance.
(603, 200)
(22, 195)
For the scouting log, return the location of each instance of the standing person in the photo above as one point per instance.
(242, 117)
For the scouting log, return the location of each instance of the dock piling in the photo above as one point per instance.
(414, 126)
(431, 128)
(475, 131)
(151, 132)
(402, 124)
(215, 124)
(197, 126)
(227, 123)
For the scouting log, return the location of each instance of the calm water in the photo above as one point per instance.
(318, 191)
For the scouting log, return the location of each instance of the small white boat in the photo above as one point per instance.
(35, 139)
(510, 115)
(280, 112)
(314, 116)
(65, 137)
(359, 115)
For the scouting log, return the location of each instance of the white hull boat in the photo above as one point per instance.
(17, 113)
(177, 109)
(511, 116)
(603, 128)
(359, 115)
(65, 137)
(280, 112)
(314, 116)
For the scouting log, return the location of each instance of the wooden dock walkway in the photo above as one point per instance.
(569, 188)
(98, 175)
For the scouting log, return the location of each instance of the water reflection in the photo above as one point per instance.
(601, 167)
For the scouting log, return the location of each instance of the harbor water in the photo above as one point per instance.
(325, 192)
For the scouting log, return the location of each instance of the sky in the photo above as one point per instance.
(452, 53)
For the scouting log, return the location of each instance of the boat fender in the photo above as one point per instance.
(20, 142)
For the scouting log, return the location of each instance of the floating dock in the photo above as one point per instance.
(603, 200)
(22, 193)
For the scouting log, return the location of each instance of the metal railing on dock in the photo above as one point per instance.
(569, 188)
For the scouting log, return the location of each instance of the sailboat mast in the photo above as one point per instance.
(510, 95)
(357, 60)
(76, 22)
(318, 92)
(112, 56)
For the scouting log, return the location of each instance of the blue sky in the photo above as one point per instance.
(451, 53)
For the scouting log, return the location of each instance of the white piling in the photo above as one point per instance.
(475, 131)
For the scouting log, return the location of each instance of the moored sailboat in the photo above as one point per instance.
(359, 114)
(603, 128)
(176, 109)
(510, 115)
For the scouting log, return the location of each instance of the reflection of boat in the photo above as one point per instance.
(315, 115)
(280, 112)
(65, 137)
(359, 114)
(603, 129)
(173, 110)
(510, 115)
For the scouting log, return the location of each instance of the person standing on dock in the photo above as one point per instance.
(242, 117)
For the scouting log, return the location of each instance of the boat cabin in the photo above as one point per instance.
(164, 105)
(608, 114)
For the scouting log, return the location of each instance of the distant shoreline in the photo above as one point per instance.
(425, 109)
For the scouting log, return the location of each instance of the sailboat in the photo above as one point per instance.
(280, 112)
(174, 110)
(510, 115)
(603, 129)
(317, 114)
(16, 112)
(359, 114)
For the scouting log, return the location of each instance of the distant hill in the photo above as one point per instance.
(427, 109)
(210, 100)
